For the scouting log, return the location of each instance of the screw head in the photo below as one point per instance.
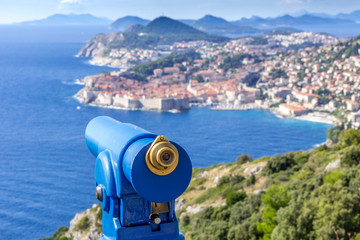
(155, 218)
(99, 193)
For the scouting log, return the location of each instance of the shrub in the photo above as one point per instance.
(234, 197)
(333, 176)
(250, 180)
(243, 158)
(59, 234)
(279, 163)
(232, 179)
(301, 158)
(334, 132)
(351, 156)
(349, 137)
(185, 221)
(83, 224)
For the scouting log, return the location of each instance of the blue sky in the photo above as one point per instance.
(22, 10)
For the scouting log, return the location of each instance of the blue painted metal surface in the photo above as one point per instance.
(128, 187)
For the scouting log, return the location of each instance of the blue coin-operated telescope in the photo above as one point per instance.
(138, 176)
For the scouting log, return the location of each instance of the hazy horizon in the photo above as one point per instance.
(21, 10)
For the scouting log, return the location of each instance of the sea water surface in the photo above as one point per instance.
(46, 171)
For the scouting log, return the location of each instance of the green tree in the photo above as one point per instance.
(276, 197)
(349, 137)
(243, 158)
(334, 132)
(250, 180)
(351, 156)
(185, 220)
(199, 78)
(278, 73)
(279, 163)
(234, 197)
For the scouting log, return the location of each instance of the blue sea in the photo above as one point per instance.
(46, 171)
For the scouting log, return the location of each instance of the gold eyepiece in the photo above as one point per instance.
(162, 157)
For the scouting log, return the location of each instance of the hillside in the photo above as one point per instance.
(168, 26)
(219, 26)
(299, 195)
(122, 24)
(160, 31)
(172, 30)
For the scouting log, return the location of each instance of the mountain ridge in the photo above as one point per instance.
(69, 19)
(160, 31)
(220, 26)
(288, 20)
(122, 24)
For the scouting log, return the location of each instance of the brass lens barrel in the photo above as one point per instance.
(162, 157)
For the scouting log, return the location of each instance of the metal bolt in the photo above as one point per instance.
(99, 193)
(155, 218)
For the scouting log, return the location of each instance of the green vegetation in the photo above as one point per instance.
(251, 79)
(279, 163)
(199, 78)
(351, 156)
(59, 234)
(334, 132)
(134, 40)
(303, 45)
(348, 49)
(141, 71)
(301, 200)
(235, 61)
(278, 73)
(83, 224)
(349, 137)
(295, 197)
(258, 41)
(243, 158)
(162, 31)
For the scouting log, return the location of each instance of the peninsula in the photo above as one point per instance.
(303, 74)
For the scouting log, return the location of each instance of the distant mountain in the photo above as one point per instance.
(160, 31)
(354, 16)
(168, 30)
(166, 26)
(209, 21)
(322, 15)
(187, 21)
(70, 19)
(220, 26)
(122, 24)
(305, 12)
(287, 20)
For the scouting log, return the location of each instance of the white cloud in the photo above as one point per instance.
(295, 1)
(70, 5)
(70, 1)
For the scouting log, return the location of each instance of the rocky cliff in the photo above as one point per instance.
(98, 46)
(84, 226)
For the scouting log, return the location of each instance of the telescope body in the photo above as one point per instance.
(138, 176)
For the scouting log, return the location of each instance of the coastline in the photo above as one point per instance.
(125, 109)
(316, 117)
(319, 119)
